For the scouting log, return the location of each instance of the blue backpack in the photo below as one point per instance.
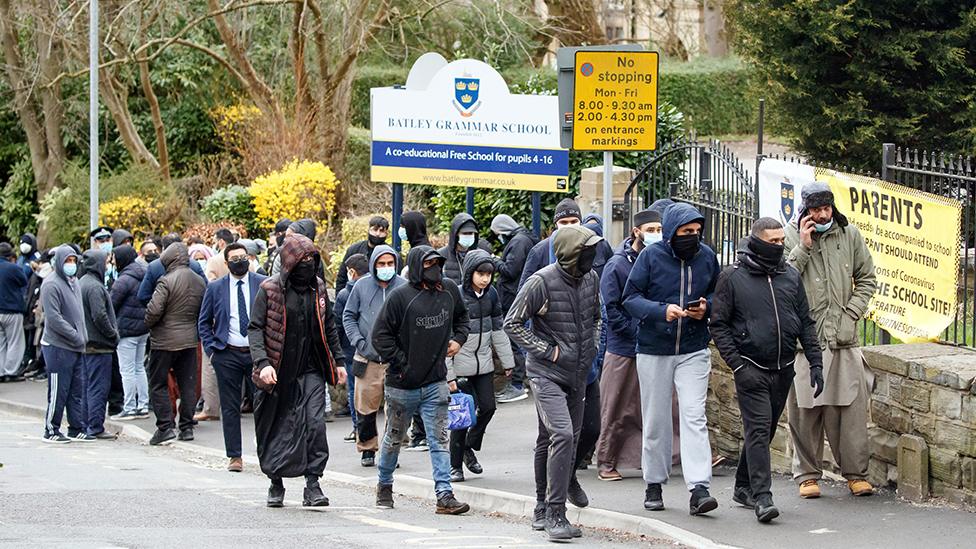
(460, 412)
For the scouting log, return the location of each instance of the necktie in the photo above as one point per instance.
(242, 308)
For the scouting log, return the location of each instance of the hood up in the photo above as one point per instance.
(567, 244)
(175, 256)
(125, 255)
(460, 220)
(305, 227)
(95, 263)
(294, 249)
(415, 262)
(61, 254)
(504, 224)
(378, 251)
(594, 223)
(119, 236)
(473, 260)
(29, 239)
(679, 214)
(416, 226)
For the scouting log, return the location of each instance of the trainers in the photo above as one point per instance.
(313, 497)
(860, 487)
(106, 435)
(384, 496)
(701, 501)
(457, 474)
(351, 437)
(511, 394)
(653, 501)
(56, 438)
(161, 438)
(765, 510)
(810, 489)
(186, 434)
(125, 416)
(368, 459)
(449, 505)
(83, 437)
(471, 462)
(142, 413)
(539, 516)
(557, 526)
(743, 496)
(575, 493)
(276, 494)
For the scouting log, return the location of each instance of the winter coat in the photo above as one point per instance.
(543, 254)
(838, 274)
(517, 247)
(173, 311)
(361, 247)
(100, 323)
(13, 288)
(155, 271)
(565, 314)
(485, 321)
(129, 311)
(342, 296)
(660, 278)
(416, 324)
(621, 328)
(64, 316)
(759, 314)
(454, 258)
(364, 304)
(416, 226)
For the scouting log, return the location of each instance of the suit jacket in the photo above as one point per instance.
(214, 321)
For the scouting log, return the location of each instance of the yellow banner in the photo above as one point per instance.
(914, 238)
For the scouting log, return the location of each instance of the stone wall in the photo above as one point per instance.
(924, 390)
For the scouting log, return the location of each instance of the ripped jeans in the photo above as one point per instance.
(401, 404)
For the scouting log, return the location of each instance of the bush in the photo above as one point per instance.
(18, 204)
(233, 204)
(140, 215)
(298, 190)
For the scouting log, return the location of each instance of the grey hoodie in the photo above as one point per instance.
(64, 318)
(103, 329)
(364, 304)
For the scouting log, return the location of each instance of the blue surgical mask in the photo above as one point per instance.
(651, 238)
(70, 269)
(109, 273)
(822, 228)
(105, 247)
(402, 233)
(385, 274)
(202, 263)
(466, 240)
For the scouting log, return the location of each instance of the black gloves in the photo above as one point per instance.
(816, 380)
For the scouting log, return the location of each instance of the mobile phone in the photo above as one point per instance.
(693, 306)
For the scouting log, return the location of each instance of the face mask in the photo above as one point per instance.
(402, 233)
(822, 228)
(584, 263)
(70, 269)
(565, 225)
(45, 270)
(150, 257)
(768, 255)
(651, 238)
(376, 240)
(686, 246)
(25, 248)
(280, 239)
(466, 240)
(202, 263)
(105, 247)
(109, 273)
(303, 274)
(239, 267)
(432, 275)
(386, 274)
(503, 238)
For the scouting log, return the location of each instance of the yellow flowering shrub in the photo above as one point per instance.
(140, 215)
(232, 121)
(299, 189)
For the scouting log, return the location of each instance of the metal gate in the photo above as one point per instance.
(706, 175)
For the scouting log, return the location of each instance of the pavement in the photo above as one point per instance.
(507, 487)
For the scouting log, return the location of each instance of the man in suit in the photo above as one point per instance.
(224, 316)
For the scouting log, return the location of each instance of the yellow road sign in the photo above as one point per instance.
(615, 101)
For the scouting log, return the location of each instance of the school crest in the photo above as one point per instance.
(466, 95)
(787, 202)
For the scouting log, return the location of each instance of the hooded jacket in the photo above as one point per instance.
(454, 258)
(759, 314)
(119, 236)
(175, 305)
(24, 260)
(416, 324)
(364, 304)
(604, 251)
(64, 316)
(155, 271)
(266, 331)
(621, 327)
(13, 287)
(416, 226)
(660, 278)
(485, 326)
(129, 311)
(564, 307)
(518, 243)
(543, 254)
(100, 322)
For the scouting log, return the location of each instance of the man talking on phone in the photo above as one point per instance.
(668, 292)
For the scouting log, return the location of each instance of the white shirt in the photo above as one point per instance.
(235, 337)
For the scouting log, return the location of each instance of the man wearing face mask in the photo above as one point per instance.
(358, 319)
(277, 238)
(567, 214)
(101, 238)
(620, 417)
(669, 292)
(838, 274)
(759, 312)
(379, 231)
(563, 302)
(28, 253)
(463, 238)
(148, 252)
(155, 270)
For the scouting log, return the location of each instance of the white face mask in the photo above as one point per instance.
(466, 240)
(202, 263)
(25, 248)
(651, 238)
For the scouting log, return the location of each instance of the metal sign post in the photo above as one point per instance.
(93, 115)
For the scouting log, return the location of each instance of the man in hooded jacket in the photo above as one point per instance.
(378, 231)
(295, 348)
(563, 302)
(462, 239)
(103, 338)
(413, 229)
(133, 332)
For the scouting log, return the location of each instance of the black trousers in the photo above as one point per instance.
(560, 414)
(590, 432)
(762, 398)
(482, 388)
(518, 373)
(233, 371)
(183, 363)
(116, 395)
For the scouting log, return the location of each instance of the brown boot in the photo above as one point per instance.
(810, 489)
(860, 487)
(236, 465)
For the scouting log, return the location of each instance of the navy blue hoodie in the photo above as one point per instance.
(621, 327)
(659, 278)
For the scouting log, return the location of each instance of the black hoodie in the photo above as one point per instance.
(452, 267)
(416, 226)
(416, 324)
(100, 322)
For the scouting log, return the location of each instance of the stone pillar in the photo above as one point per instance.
(913, 468)
(591, 198)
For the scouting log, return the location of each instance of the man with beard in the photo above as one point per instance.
(295, 347)
(379, 230)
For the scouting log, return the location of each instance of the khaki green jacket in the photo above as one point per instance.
(838, 276)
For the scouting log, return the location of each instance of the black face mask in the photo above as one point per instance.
(433, 275)
(280, 239)
(584, 263)
(303, 274)
(239, 267)
(375, 241)
(150, 257)
(686, 246)
(767, 255)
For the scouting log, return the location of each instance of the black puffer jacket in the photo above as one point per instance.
(100, 323)
(510, 268)
(452, 265)
(758, 314)
(564, 307)
(129, 311)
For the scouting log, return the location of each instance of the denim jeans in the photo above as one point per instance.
(132, 365)
(401, 404)
(351, 393)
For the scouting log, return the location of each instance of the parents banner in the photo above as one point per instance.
(914, 238)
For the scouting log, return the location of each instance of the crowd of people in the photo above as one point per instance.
(612, 342)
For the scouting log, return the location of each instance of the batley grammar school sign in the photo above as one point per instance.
(466, 129)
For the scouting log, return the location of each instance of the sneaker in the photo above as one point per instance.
(743, 496)
(471, 462)
(810, 489)
(511, 394)
(449, 505)
(557, 526)
(368, 459)
(860, 487)
(329, 417)
(457, 474)
(313, 497)
(56, 438)
(142, 413)
(609, 476)
(575, 493)
(765, 510)
(351, 437)
(161, 438)
(417, 446)
(186, 434)
(653, 501)
(701, 501)
(384, 496)
(539, 516)
(106, 435)
(125, 416)
(83, 437)
(276, 495)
